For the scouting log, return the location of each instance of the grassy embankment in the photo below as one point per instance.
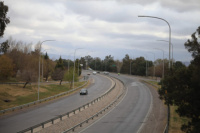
(17, 95)
(175, 120)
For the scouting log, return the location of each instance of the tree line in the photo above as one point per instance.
(20, 63)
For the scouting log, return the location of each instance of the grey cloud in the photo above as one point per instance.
(178, 5)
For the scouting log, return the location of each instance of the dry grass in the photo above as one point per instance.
(15, 95)
(176, 121)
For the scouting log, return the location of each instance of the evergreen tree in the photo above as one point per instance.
(4, 47)
(3, 19)
(60, 64)
(181, 87)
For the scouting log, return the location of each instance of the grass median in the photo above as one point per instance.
(15, 95)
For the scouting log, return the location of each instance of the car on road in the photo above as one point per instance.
(94, 73)
(83, 92)
(106, 73)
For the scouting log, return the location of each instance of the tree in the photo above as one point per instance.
(6, 67)
(60, 63)
(83, 62)
(118, 65)
(193, 47)
(58, 74)
(109, 64)
(177, 65)
(77, 67)
(139, 66)
(4, 47)
(3, 19)
(48, 65)
(29, 73)
(126, 64)
(181, 87)
(69, 76)
(59, 71)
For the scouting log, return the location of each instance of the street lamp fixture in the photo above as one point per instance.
(169, 33)
(74, 65)
(153, 64)
(172, 49)
(39, 69)
(163, 63)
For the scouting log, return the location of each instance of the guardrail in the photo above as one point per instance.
(42, 100)
(98, 113)
(68, 114)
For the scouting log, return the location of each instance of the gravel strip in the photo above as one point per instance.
(84, 114)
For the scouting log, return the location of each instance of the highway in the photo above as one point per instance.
(130, 114)
(32, 116)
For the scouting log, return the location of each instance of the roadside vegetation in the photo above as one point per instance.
(181, 87)
(15, 95)
(175, 120)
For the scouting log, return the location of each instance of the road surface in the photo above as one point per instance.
(32, 116)
(130, 114)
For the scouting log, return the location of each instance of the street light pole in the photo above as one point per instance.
(172, 50)
(74, 65)
(169, 34)
(163, 63)
(39, 69)
(146, 65)
(153, 64)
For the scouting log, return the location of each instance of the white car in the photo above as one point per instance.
(106, 73)
(94, 73)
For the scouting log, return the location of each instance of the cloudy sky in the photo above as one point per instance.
(104, 27)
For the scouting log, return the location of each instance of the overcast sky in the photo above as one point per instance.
(104, 27)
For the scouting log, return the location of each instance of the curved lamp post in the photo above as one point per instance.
(153, 64)
(172, 49)
(169, 33)
(39, 69)
(163, 63)
(74, 65)
(146, 65)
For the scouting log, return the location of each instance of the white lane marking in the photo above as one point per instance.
(105, 114)
(147, 115)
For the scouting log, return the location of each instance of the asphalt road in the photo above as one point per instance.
(30, 117)
(130, 114)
